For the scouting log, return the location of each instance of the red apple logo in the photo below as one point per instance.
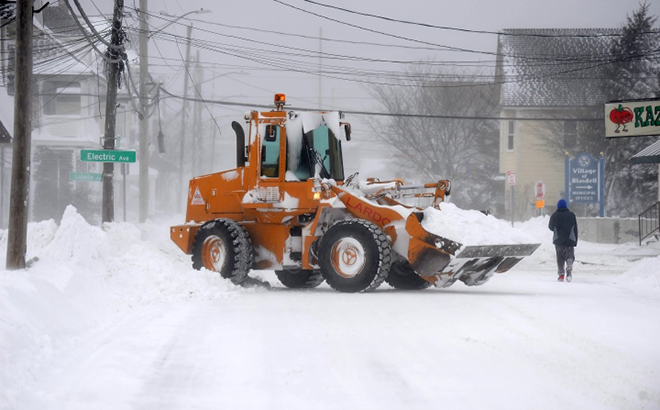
(621, 116)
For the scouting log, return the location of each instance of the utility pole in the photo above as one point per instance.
(184, 113)
(320, 68)
(109, 137)
(198, 140)
(143, 156)
(213, 134)
(20, 177)
(2, 186)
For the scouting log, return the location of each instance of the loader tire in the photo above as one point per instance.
(403, 277)
(224, 246)
(300, 278)
(354, 256)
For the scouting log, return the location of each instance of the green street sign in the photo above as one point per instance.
(107, 155)
(85, 176)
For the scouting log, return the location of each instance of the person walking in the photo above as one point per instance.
(565, 227)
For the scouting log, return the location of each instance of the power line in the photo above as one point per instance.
(385, 114)
(464, 30)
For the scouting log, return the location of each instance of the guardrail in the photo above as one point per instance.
(649, 222)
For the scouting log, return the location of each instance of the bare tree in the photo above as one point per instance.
(439, 142)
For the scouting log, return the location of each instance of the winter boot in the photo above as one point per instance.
(560, 278)
(569, 273)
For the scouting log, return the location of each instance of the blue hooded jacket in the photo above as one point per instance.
(564, 225)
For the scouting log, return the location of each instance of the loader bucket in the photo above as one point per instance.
(442, 261)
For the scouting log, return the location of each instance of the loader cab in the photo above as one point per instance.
(296, 146)
(316, 153)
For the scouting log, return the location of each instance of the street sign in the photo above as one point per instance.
(540, 191)
(540, 204)
(511, 178)
(85, 176)
(107, 156)
(585, 180)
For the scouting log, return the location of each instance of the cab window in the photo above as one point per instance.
(270, 151)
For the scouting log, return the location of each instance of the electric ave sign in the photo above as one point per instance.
(585, 180)
(107, 156)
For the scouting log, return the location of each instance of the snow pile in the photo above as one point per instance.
(644, 275)
(472, 227)
(114, 317)
(82, 277)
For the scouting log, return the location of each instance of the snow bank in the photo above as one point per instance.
(644, 275)
(83, 277)
(472, 227)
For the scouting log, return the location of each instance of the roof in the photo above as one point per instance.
(552, 67)
(650, 155)
(5, 136)
(59, 20)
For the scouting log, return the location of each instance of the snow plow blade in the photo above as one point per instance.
(442, 261)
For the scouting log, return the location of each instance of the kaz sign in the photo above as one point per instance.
(585, 180)
(632, 119)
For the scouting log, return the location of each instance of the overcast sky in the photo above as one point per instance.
(262, 47)
(265, 78)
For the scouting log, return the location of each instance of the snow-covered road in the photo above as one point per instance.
(120, 321)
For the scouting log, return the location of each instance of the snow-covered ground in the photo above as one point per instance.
(116, 318)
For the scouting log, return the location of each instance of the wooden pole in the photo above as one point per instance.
(111, 114)
(2, 186)
(20, 177)
(143, 152)
(184, 113)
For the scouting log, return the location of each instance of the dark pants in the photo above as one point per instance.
(565, 254)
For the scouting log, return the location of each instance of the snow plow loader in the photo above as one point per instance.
(288, 207)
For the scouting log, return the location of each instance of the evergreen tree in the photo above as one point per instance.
(632, 74)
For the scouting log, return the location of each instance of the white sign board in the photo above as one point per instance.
(540, 190)
(510, 178)
(632, 119)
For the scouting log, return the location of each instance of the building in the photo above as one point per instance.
(546, 74)
(68, 116)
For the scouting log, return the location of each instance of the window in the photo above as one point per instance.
(510, 135)
(320, 156)
(570, 134)
(61, 98)
(270, 151)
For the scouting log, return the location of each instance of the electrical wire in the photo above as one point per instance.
(385, 114)
(464, 30)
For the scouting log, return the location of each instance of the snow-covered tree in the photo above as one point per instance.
(633, 74)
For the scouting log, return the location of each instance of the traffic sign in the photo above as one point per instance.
(85, 176)
(511, 178)
(107, 156)
(540, 191)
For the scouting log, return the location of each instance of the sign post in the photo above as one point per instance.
(585, 180)
(511, 181)
(540, 194)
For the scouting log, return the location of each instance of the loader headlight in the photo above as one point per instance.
(316, 195)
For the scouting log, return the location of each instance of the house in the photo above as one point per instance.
(544, 74)
(68, 115)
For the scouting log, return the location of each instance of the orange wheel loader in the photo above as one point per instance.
(288, 207)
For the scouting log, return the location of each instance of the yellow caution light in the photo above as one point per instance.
(280, 99)
(317, 195)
